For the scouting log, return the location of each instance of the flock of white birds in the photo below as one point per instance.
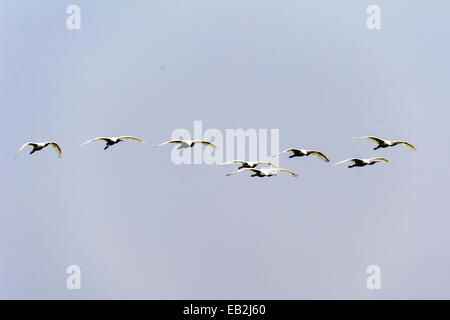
(269, 170)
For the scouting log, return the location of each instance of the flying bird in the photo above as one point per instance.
(266, 172)
(382, 143)
(113, 140)
(249, 164)
(41, 145)
(183, 144)
(303, 152)
(363, 162)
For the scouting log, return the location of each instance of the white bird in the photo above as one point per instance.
(249, 164)
(382, 143)
(113, 140)
(183, 144)
(303, 152)
(41, 145)
(266, 172)
(363, 162)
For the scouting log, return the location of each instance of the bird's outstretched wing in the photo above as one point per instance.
(206, 143)
(318, 154)
(131, 138)
(348, 160)
(24, 145)
(379, 160)
(284, 151)
(170, 141)
(237, 171)
(409, 145)
(95, 139)
(287, 171)
(267, 164)
(232, 162)
(375, 139)
(56, 147)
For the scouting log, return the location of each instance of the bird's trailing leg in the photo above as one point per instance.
(351, 166)
(33, 151)
(107, 146)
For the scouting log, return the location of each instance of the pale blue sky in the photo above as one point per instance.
(141, 227)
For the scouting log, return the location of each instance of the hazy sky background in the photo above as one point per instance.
(141, 227)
